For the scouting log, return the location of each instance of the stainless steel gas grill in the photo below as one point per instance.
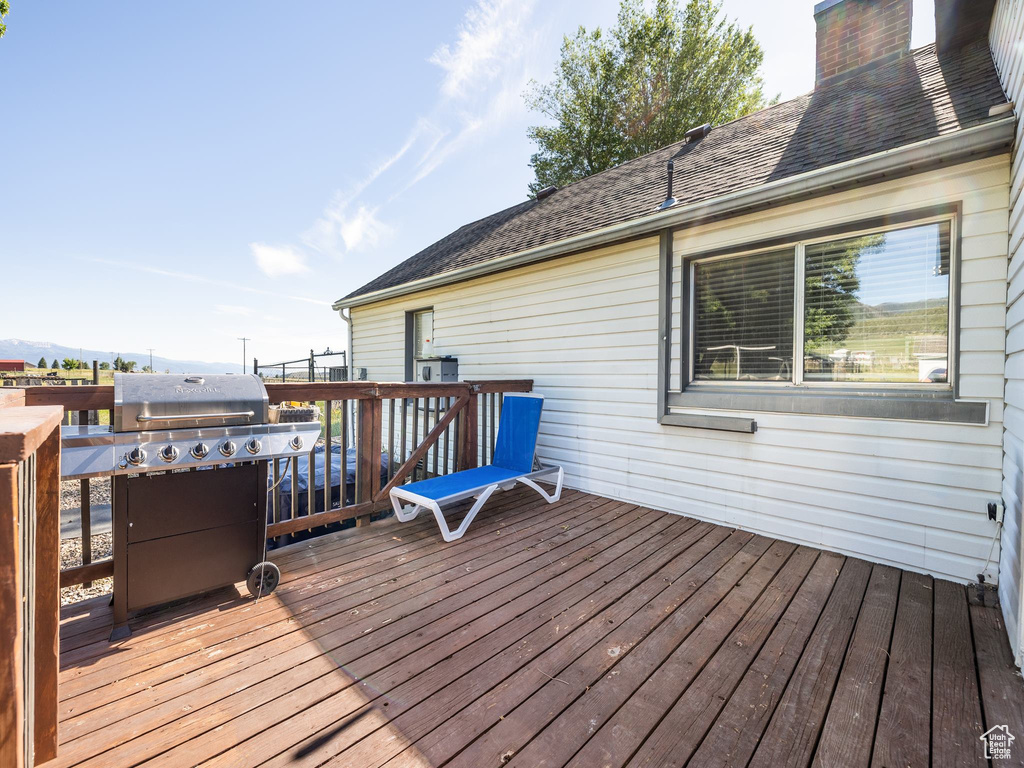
(179, 533)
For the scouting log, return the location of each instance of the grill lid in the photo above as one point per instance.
(144, 401)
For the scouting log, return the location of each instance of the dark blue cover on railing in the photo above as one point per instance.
(319, 478)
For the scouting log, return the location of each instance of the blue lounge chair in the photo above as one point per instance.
(512, 463)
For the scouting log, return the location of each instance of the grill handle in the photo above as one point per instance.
(198, 416)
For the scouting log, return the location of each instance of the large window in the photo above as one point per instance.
(867, 309)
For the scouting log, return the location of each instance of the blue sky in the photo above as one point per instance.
(178, 175)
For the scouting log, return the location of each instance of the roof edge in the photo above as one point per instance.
(949, 149)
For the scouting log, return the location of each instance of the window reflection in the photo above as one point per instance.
(744, 318)
(876, 307)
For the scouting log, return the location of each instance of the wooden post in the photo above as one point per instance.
(368, 452)
(47, 609)
(12, 692)
(468, 446)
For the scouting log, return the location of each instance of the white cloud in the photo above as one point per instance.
(341, 230)
(489, 36)
(278, 260)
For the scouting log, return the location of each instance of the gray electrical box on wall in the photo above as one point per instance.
(437, 369)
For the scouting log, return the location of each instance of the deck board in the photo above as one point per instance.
(588, 632)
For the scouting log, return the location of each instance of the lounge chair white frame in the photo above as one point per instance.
(482, 494)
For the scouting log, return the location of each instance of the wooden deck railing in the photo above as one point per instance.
(394, 432)
(29, 593)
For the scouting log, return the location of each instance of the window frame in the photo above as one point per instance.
(731, 408)
(410, 340)
(798, 244)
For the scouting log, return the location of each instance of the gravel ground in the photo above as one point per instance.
(71, 555)
(71, 549)
(71, 497)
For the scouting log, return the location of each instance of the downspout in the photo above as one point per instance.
(351, 416)
(348, 344)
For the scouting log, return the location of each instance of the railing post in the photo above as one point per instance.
(468, 443)
(368, 450)
(47, 616)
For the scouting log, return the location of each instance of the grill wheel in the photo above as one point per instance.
(263, 579)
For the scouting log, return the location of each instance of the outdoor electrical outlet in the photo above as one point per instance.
(995, 511)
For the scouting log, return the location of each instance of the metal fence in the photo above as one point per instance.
(323, 366)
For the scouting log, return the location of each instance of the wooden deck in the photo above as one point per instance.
(586, 633)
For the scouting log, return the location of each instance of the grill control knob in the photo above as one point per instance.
(199, 450)
(228, 448)
(296, 442)
(254, 446)
(136, 456)
(169, 453)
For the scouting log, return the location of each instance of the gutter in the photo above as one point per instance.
(950, 149)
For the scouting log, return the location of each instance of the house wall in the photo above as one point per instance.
(1006, 40)
(585, 329)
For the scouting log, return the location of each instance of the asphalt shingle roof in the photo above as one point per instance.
(918, 97)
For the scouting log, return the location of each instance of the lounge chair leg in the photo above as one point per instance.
(405, 514)
(550, 498)
(459, 532)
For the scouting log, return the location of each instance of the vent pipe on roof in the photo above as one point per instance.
(698, 133)
(547, 192)
(669, 200)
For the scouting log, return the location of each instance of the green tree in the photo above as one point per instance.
(55, 365)
(104, 366)
(70, 364)
(831, 286)
(5, 8)
(641, 86)
(41, 363)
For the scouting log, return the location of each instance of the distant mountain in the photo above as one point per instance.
(31, 351)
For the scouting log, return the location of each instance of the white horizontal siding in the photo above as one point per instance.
(584, 328)
(1006, 39)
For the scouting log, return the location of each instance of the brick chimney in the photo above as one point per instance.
(853, 34)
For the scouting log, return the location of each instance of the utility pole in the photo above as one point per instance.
(150, 359)
(243, 339)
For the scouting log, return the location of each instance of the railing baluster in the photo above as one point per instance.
(437, 418)
(85, 507)
(415, 432)
(295, 487)
(484, 442)
(310, 480)
(357, 441)
(85, 498)
(276, 496)
(447, 433)
(391, 438)
(328, 456)
(343, 480)
(403, 450)
(494, 424)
